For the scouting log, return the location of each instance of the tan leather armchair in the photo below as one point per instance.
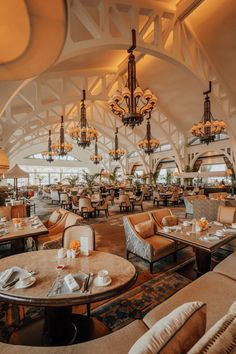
(56, 219)
(54, 238)
(227, 215)
(151, 248)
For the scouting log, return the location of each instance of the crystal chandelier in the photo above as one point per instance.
(62, 147)
(49, 154)
(96, 158)
(208, 127)
(116, 153)
(132, 104)
(148, 143)
(83, 134)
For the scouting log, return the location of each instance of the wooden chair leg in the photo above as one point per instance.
(88, 310)
(151, 267)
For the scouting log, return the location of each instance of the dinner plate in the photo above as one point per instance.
(18, 286)
(108, 282)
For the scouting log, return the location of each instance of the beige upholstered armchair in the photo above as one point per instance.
(188, 202)
(207, 208)
(124, 202)
(143, 241)
(227, 215)
(56, 218)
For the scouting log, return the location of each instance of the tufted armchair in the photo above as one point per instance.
(150, 247)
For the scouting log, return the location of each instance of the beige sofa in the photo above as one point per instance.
(216, 288)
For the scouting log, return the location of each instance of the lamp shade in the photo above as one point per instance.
(4, 162)
(17, 172)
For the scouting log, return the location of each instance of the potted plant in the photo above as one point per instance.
(72, 180)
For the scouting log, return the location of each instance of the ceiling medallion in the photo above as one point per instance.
(208, 127)
(96, 158)
(132, 104)
(83, 134)
(62, 147)
(49, 154)
(116, 153)
(148, 144)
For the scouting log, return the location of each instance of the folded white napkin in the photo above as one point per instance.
(218, 223)
(5, 276)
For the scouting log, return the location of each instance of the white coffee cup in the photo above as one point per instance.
(234, 225)
(103, 276)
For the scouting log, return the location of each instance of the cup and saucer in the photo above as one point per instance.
(103, 278)
(233, 225)
(25, 282)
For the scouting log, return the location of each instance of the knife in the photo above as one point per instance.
(87, 282)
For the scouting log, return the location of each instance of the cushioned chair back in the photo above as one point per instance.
(74, 199)
(5, 212)
(226, 215)
(85, 203)
(137, 218)
(159, 214)
(64, 198)
(72, 219)
(18, 211)
(55, 195)
(124, 200)
(75, 232)
(106, 202)
(207, 208)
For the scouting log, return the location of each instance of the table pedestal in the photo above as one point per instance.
(60, 327)
(203, 260)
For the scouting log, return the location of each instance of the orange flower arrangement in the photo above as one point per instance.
(75, 245)
(203, 223)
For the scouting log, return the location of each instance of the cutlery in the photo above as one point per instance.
(90, 282)
(87, 282)
(11, 283)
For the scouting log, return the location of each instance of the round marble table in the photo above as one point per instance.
(60, 325)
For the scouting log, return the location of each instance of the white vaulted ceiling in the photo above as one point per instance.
(175, 59)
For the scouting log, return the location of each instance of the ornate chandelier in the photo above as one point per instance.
(132, 104)
(148, 144)
(62, 147)
(83, 134)
(116, 153)
(208, 127)
(49, 154)
(96, 158)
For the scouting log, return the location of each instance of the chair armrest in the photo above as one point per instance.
(135, 243)
(53, 244)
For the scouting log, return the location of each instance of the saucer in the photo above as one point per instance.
(108, 282)
(18, 286)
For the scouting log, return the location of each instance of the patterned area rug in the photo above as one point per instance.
(115, 314)
(137, 302)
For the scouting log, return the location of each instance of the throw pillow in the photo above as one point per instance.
(221, 338)
(175, 333)
(171, 220)
(145, 228)
(54, 218)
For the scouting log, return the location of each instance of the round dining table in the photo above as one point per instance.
(60, 326)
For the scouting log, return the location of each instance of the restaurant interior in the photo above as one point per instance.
(118, 176)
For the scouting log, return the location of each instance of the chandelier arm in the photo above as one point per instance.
(133, 46)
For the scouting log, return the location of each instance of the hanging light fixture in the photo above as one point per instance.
(132, 104)
(116, 153)
(4, 162)
(96, 158)
(62, 147)
(148, 144)
(49, 154)
(83, 134)
(208, 127)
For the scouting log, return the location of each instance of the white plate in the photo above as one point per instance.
(104, 284)
(18, 286)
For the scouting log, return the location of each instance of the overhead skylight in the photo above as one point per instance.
(61, 158)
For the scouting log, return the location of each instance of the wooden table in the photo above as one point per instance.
(60, 326)
(203, 248)
(17, 236)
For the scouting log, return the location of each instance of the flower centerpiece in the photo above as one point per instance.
(75, 246)
(203, 224)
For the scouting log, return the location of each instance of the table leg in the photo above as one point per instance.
(203, 260)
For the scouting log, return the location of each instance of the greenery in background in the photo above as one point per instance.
(130, 178)
(168, 177)
(113, 176)
(40, 179)
(90, 180)
(72, 180)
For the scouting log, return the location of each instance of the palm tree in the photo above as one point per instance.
(113, 175)
(72, 180)
(90, 179)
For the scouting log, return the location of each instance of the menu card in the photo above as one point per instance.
(84, 245)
